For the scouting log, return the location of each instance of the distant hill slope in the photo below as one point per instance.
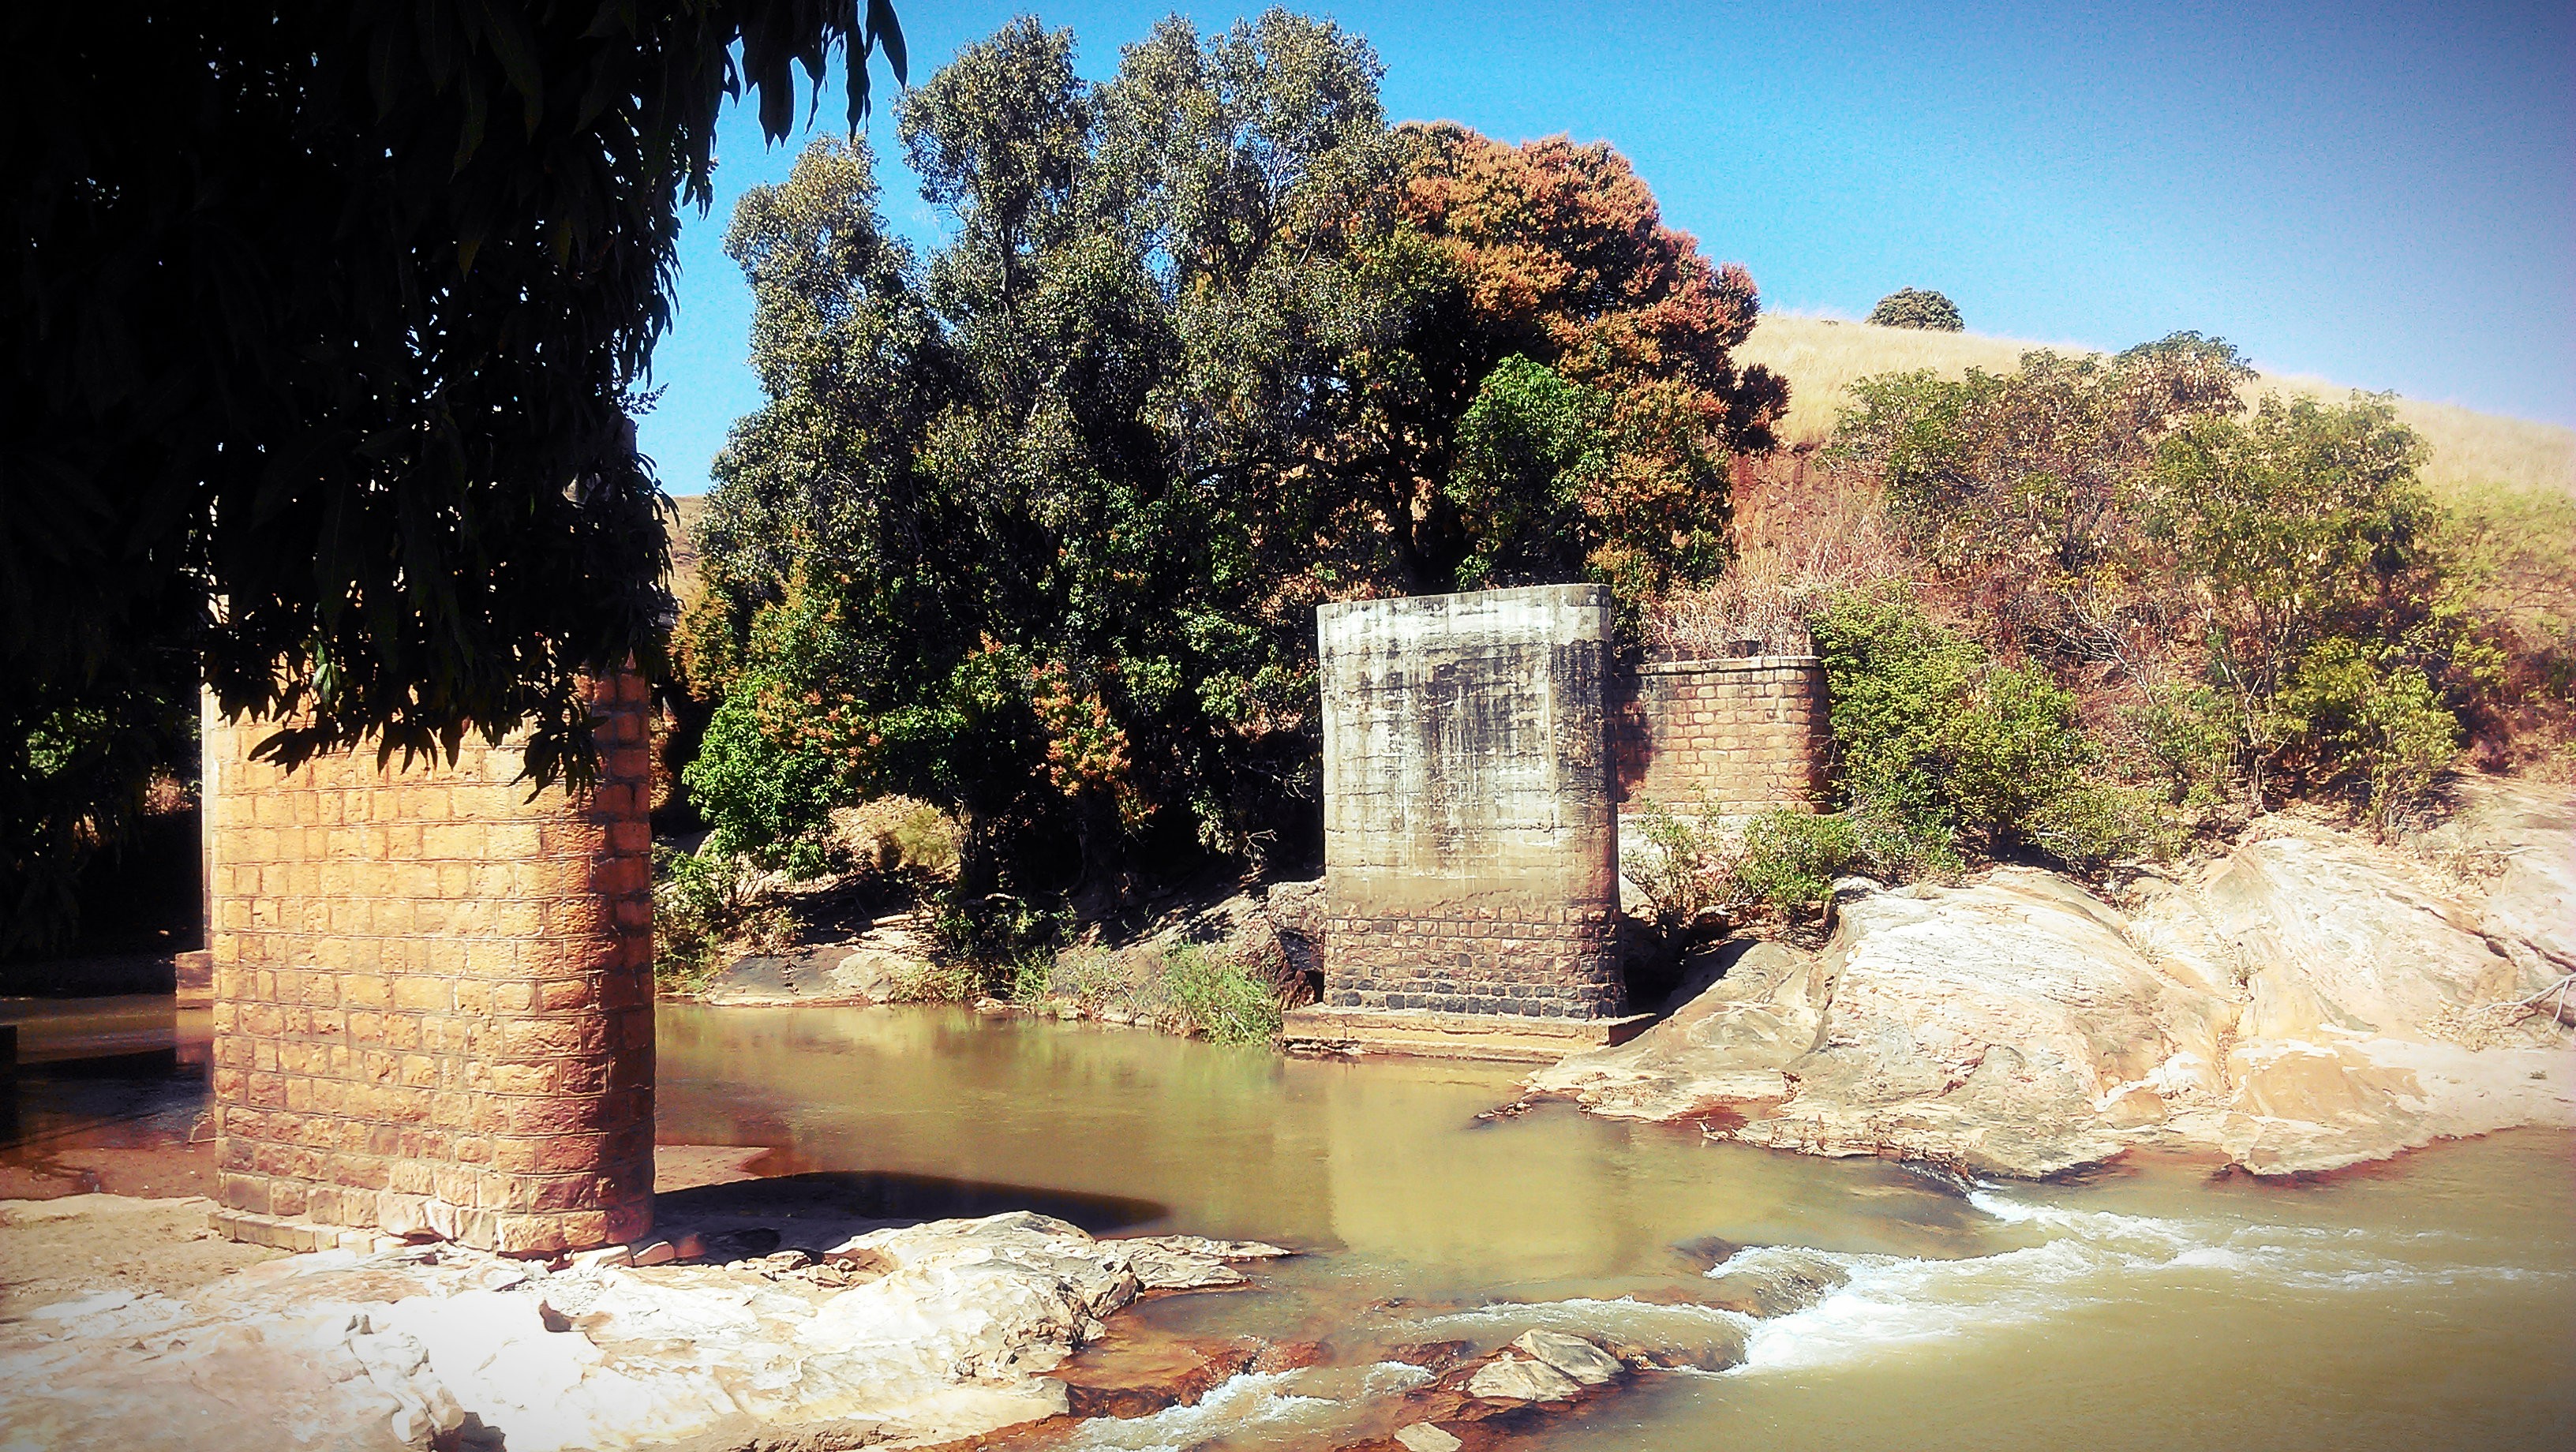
(2474, 454)
(684, 535)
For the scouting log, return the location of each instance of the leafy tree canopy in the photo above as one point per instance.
(321, 324)
(1034, 526)
(2028, 488)
(1910, 307)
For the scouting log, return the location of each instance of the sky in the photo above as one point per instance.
(2383, 196)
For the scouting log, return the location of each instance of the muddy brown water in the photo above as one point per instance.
(2422, 1304)
(2429, 1303)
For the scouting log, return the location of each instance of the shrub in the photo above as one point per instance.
(1932, 734)
(701, 901)
(993, 929)
(1208, 991)
(2181, 739)
(1092, 978)
(941, 980)
(770, 802)
(1896, 844)
(1909, 307)
(2089, 826)
(1789, 859)
(2321, 569)
(1682, 869)
(900, 835)
(1772, 862)
(1026, 978)
(2380, 725)
(2025, 489)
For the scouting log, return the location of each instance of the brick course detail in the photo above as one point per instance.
(1742, 735)
(433, 1007)
(1469, 841)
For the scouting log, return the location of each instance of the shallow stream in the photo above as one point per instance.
(2423, 1304)
(2431, 1303)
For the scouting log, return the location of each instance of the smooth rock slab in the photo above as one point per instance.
(1424, 1437)
(336, 1350)
(2307, 1001)
(1515, 1379)
(1572, 1355)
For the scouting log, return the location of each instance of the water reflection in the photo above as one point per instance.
(1385, 1159)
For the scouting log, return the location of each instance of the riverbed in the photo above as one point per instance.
(2430, 1302)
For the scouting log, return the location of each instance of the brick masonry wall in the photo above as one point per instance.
(433, 1007)
(1469, 838)
(1742, 735)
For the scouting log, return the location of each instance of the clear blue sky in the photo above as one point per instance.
(2380, 195)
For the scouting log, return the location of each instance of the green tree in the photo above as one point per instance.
(1909, 307)
(1196, 357)
(1532, 448)
(2028, 489)
(322, 325)
(1556, 254)
(2317, 568)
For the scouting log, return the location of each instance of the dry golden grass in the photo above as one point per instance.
(2473, 454)
(683, 530)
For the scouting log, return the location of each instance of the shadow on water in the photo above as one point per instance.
(787, 1193)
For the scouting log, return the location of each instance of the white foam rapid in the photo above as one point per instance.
(1886, 1304)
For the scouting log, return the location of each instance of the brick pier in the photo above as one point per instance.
(1478, 752)
(1471, 876)
(433, 998)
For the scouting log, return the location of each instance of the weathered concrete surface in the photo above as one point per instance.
(1470, 845)
(2307, 1001)
(933, 1331)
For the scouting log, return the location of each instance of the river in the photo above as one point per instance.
(2426, 1303)
(2429, 1303)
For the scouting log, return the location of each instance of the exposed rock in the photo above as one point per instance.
(874, 974)
(1137, 1377)
(1575, 1357)
(2307, 1001)
(1784, 1281)
(2518, 847)
(1424, 1437)
(1713, 1348)
(341, 1350)
(1297, 914)
(1190, 1262)
(1297, 907)
(1520, 1379)
(1433, 1355)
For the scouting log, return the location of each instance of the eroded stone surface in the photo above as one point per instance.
(2307, 1001)
(944, 1336)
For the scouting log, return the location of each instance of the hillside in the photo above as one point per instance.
(2475, 455)
(684, 537)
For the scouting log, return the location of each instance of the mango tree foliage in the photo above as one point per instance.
(321, 325)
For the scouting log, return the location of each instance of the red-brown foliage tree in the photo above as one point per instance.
(1558, 253)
